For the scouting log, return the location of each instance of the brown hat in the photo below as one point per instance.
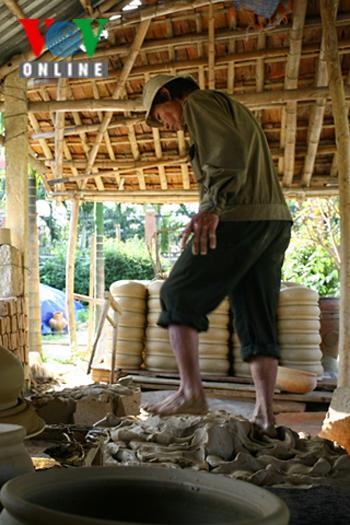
(150, 91)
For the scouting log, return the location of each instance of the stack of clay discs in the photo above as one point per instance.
(240, 367)
(131, 298)
(214, 344)
(299, 337)
(158, 353)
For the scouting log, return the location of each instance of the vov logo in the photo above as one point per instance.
(64, 39)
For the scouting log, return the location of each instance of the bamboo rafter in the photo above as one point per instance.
(291, 82)
(135, 48)
(14, 8)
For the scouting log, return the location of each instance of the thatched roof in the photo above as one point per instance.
(105, 151)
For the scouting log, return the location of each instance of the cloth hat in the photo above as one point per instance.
(151, 89)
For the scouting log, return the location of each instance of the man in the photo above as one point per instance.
(234, 246)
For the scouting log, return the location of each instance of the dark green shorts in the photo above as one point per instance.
(246, 267)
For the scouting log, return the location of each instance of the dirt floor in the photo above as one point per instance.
(71, 370)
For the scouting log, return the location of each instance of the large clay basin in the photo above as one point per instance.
(136, 495)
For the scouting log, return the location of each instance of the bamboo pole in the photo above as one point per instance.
(91, 306)
(34, 317)
(14, 8)
(72, 244)
(340, 113)
(59, 125)
(134, 51)
(291, 82)
(211, 47)
(278, 96)
(316, 116)
(99, 264)
(87, 128)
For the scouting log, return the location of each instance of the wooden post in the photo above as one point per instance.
(72, 244)
(34, 316)
(99, 257)
(91, 306)
(340, 113)
(16, 151)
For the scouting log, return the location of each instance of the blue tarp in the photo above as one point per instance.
(51, 301)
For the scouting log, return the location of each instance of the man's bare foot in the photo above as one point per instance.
(179, 403)
(155, 407)
(265, 422)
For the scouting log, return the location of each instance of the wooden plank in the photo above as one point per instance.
(217, 388)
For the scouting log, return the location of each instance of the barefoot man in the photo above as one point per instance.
(234, 246)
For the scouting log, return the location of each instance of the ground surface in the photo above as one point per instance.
(70, 369)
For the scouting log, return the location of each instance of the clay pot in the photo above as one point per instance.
(296, 381)
(14, 458)
(57, 322)
(87, 496)
(11, 379)
(329, 307)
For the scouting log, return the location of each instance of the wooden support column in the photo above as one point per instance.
(99, 257)
(72, 245)
(34, 316)
(16, 154)
(340, 113)
(211, 47)
(16, 151)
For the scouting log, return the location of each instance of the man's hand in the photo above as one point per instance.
(203, 227)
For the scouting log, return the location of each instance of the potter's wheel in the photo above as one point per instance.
(23, 414)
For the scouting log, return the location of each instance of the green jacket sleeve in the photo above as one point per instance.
(219, 158)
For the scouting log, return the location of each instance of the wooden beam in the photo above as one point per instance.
(87, 7)
(135, 49)
(340, 113)
(34, 317)
(71, 250)
(14, 8)
(59, 125)
(46, 97)
(316, 118)
(291, 82)
(173, 196)
(265, 99)
(87, 128)
(211, 47)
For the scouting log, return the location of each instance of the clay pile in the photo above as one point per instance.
(221, 443)
(87, 405)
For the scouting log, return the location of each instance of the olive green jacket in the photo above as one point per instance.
(231, 160)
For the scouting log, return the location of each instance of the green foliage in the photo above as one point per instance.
(122, 261)
(128, 260)
(312, 267)
(312, 258)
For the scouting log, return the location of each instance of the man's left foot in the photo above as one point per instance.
(180, 404)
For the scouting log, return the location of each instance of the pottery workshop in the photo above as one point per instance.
(216, 390)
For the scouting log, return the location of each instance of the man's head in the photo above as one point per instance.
(163, 97)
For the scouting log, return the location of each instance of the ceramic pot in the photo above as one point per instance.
(11, 379)
(296, 381)
(98, 495)
(57, 322)
(329, 307)
(14, 458)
